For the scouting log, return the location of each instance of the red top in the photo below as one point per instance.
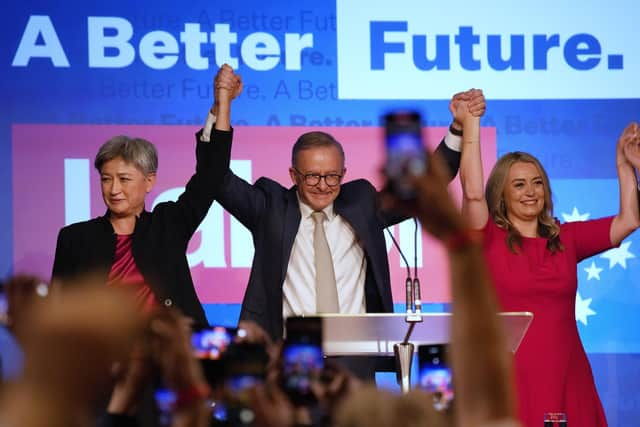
(552, 370)
(125, 274)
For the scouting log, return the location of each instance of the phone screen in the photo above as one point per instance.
(165, 403)
(303, 358)
(229, 367)
(4, 308)
(406, 155)
(435, 374)
(244, 367)
(211, 342)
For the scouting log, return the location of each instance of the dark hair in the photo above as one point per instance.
(494, 193)
(137, 151)
(314, 139)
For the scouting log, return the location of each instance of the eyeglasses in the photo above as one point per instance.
(313, 179)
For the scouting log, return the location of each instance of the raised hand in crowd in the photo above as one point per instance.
(170, 350)
(70, 344)
(483, 396)
(272, 407)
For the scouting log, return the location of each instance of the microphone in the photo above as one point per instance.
(410, 295)
(416, 283)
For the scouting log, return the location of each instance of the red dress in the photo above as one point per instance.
(551, 368)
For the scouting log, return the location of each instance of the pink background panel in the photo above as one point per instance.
(38, 189)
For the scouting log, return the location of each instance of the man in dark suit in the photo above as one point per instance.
(283, 275)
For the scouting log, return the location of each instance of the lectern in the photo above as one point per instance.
(375, 334)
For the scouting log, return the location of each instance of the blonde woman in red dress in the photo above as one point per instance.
(533, 261)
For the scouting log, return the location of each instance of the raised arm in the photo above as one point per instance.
(241, 199)
(213, 151)
(480, 357)
(474, 204)
(450, 146)
(627, 163)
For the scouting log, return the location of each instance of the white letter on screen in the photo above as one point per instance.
(99, 42)
(159, 50)
(222, 39)
(294, 44)
(50, 48)
(77, 196)
(193, 38)
(260, 51)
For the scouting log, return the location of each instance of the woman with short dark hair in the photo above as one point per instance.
(139, 250)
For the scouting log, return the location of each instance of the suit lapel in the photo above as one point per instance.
(355, 216)
(353, 213)
(291, 225)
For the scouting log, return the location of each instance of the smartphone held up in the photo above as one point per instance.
(302, 358)
(406, 153)
(435, 374)
(211, 342)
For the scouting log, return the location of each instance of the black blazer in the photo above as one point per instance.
(160, 237)
(272, 214)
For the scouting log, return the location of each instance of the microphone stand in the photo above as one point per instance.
(404, 350)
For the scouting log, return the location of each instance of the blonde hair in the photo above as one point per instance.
(548, 228)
